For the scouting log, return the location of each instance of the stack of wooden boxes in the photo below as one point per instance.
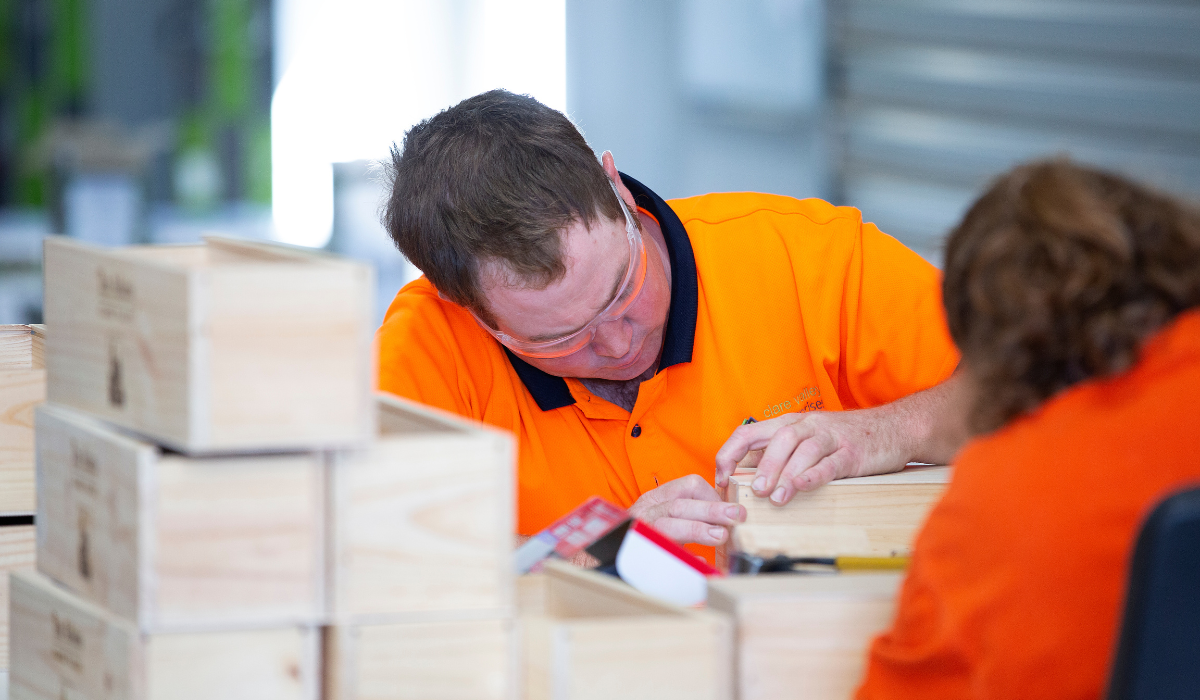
(22, 386)
(226, 510)
(422, 579)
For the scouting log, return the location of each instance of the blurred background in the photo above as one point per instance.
(125, 121)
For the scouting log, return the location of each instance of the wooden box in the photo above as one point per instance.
(16, 554)
(22, 386)
(588, 635)
(422, 660)
(422, 520)
(66, 647)
(803, 637)
(172, 542)
(870, 515)
(222, 347)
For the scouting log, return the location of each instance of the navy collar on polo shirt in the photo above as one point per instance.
(551, 392)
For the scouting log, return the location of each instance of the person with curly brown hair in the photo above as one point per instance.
(1072, 296)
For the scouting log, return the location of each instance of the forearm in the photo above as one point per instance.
(931, 423)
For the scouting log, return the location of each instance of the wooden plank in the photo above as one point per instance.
(38, 358)
(16, 347)
(873, 515)
(212, 352)
(804, 637)
(445, 660)
(66, 647)
(597, 638)
(422, 520)
(174, 543)
(20, 391)
(16, 554)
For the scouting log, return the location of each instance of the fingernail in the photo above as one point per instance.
(733, 512)
(777, 497)
(759, 484)
(718, 533)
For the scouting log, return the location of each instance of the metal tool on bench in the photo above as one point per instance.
(743, 563)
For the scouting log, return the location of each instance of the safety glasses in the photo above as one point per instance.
(627, 294)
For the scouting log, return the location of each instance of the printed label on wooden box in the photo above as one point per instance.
(222, 347)
(66, 647)
(172, 542)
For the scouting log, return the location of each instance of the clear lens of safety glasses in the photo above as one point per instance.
(630, 289)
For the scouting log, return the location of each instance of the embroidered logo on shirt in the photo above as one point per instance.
(809, 399)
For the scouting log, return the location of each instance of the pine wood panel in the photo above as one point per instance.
(17, 347)
(873, 515)
(172, 542)
(223, 347)
(587, 635)
(20, 391)
(66, 647)
(443, 660)
(804, 637)
(22, 386)
(422, 520)
(16, 554)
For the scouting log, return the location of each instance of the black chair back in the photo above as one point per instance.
(1158, 653)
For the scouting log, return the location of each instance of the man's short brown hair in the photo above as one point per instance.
(1058, 274)
(495, 178)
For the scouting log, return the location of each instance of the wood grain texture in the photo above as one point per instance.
(874, 515)
(176, 543)
(66, 647)
(16, 347)
(22, 386)
(16, 554)
(598, 638)
(213, 351)
(446, 660)
(422, 520)
(804, 637)
(20, 391)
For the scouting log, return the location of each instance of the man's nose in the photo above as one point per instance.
(613, 338)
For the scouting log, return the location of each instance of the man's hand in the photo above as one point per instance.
(688, 510)
(801, 451)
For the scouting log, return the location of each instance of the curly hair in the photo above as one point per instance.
(1058, 274)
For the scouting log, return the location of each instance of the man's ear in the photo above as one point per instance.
(610, 169)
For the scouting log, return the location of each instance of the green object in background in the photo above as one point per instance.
(46, 81)
(225, 139)
(68, 56)
(230, 59)
(258, 161)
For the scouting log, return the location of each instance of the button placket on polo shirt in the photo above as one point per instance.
(641, 437)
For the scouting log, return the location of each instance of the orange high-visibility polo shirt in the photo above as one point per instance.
(1017, 579)
(777, 305)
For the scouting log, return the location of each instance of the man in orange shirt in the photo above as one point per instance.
(623, 338)
(1073, 296)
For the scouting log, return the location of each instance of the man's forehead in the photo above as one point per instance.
(595, 262)
(583, 249)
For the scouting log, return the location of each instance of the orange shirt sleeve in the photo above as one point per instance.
(894, 336)
(421, 358)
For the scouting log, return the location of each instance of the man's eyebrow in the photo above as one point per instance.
(611, 295)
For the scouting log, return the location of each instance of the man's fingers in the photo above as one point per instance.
(752, 436)
(692, 486)
(751, 459)
(685, 531)
(718, 513)
(795, 479)
(783, 448)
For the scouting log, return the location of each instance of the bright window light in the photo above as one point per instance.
(356, 74)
